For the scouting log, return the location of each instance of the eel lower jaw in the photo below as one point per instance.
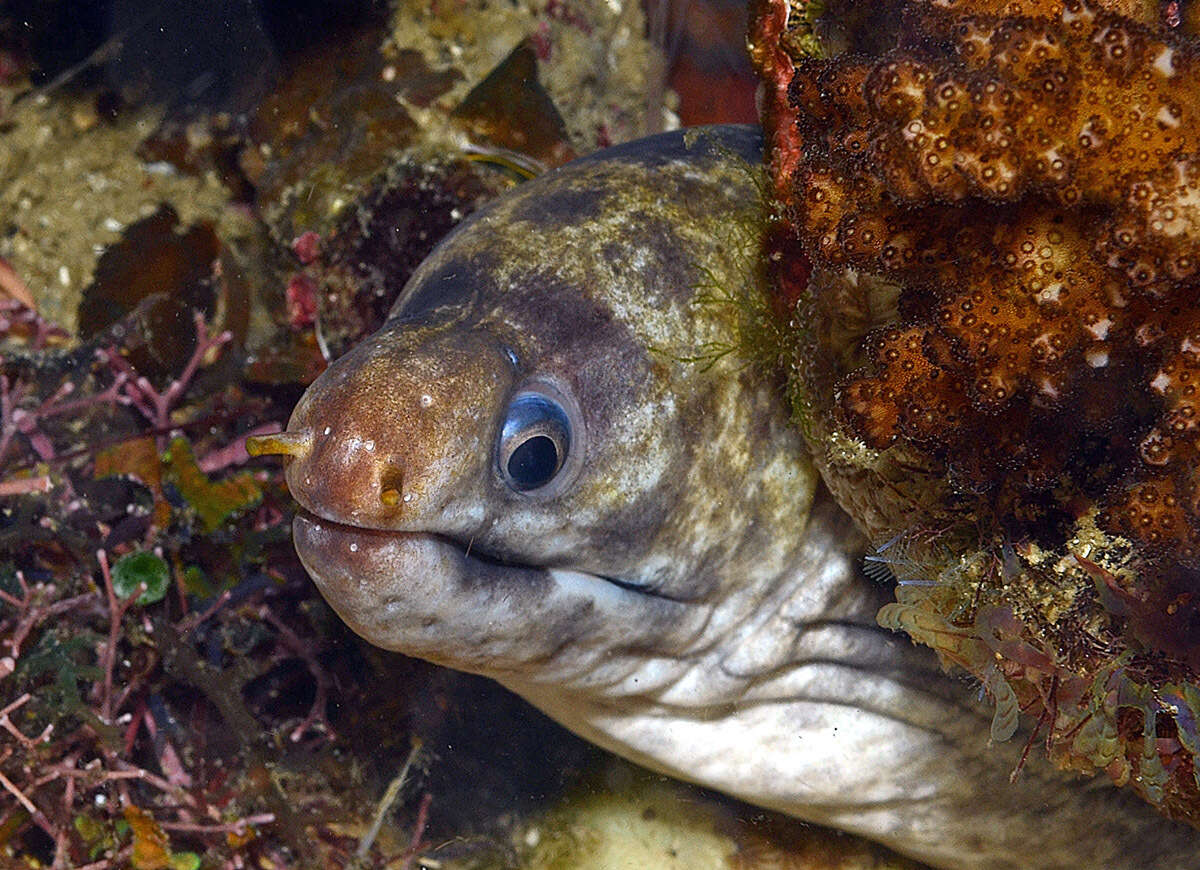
(428, 595)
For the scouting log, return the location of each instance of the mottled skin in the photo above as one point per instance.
(683, 592)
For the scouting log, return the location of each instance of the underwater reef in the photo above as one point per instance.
(175, 267)
(988, 250)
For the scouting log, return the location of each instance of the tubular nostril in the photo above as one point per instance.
(391, 485)
(294, 444)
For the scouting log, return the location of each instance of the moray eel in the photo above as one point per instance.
(526, 474)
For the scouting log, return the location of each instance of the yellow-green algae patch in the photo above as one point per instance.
(631, 818)
(604, 76)
(71, 181)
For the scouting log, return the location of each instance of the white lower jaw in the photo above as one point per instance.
(425, 596)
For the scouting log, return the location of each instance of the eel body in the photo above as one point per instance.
(527, 474)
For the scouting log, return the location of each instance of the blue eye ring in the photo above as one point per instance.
(535, 442)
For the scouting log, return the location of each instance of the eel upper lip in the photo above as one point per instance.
(471, 552)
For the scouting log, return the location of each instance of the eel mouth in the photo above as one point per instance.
(325, 544)
(428, 595)
(467, 550)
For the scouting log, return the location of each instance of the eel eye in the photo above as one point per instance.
(534, 441)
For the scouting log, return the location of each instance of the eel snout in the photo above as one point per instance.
(389, 436)
(391, 454)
